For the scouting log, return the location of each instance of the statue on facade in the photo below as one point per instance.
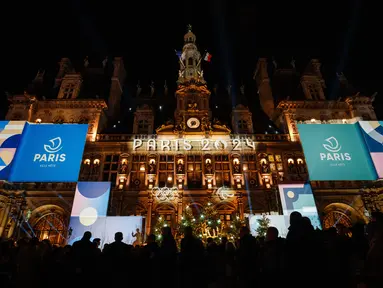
(96, 168)
(123, 168)
(192, 106)
(265, 167)
(208, 167)
(138, 237)
(236, 168)
(85, 169)
(205, 124)
(180, 167)
(152, 167)
(291, 167)
(302, 168)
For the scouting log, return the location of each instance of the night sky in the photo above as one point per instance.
(345, 38)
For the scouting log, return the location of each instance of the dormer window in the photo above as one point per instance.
(242, 125)
(143, 126)
(68, 91)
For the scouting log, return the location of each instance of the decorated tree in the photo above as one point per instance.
(207, 224)
(161, 222)
(232, 231)
(263, 224)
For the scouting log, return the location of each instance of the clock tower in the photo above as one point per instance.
(192, 114)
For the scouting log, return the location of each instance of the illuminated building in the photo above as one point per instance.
(158, 170)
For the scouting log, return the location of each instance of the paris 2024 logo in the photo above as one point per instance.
(334, 153)
(51, 156)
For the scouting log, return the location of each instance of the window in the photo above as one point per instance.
(225, 218)
(51, 226)
(68, 91)
(250, 170)
(138, 171)
(275, 161)
(222, 170)
(194, 171)
(242, 125)
(166, 171)
(333, 218)
(190, 61)
(314, 91)
(143, 126)
(110, 169)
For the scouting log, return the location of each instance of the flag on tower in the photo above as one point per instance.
(207, 57)
(178, 53)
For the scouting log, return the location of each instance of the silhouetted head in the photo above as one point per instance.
(118, 237)
(244, 231)
(295, 218)
(188, 231)
(87, 235)
(97, 241)
(272, 233)
(166, 231)
(151, 238)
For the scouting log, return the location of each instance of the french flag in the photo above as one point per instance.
(207, 57)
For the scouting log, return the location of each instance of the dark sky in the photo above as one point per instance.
(345, 37)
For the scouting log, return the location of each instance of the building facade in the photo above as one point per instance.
(193, 159)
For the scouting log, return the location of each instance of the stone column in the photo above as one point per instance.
(11, 229)
(149, 217)
(4, 219)
(240, 207)
(179, 209)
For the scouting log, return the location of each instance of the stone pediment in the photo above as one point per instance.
(165, 129)
(192, 87)
(221, 128)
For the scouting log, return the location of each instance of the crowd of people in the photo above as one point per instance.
(305, 258)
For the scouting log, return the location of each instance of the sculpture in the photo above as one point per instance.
(264, 167)
(180, 168)
(208, 167)
(152, 167)
(123, 168)
(138, 236)
(236, 168)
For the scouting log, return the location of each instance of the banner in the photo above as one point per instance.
(300, 198)
(90, 201)
(105, 227)
(49, 153)
(10, 135)
(373, 135)
(336, 152)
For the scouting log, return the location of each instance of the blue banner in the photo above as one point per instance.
(49, 153)
(336, 152)
(10, 135)
(300, 198)
(373, 135)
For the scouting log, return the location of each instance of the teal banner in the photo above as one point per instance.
(336, 152)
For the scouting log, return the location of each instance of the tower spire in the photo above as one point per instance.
(190, 60)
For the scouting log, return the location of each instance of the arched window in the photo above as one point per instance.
(143, 126)
(190, 61)
(334, 218)
(51, 226)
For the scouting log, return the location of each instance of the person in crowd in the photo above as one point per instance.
(336, 257)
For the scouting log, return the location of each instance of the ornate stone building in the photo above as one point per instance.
(191, 159)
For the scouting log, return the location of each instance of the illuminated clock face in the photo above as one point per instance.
(193, 123)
